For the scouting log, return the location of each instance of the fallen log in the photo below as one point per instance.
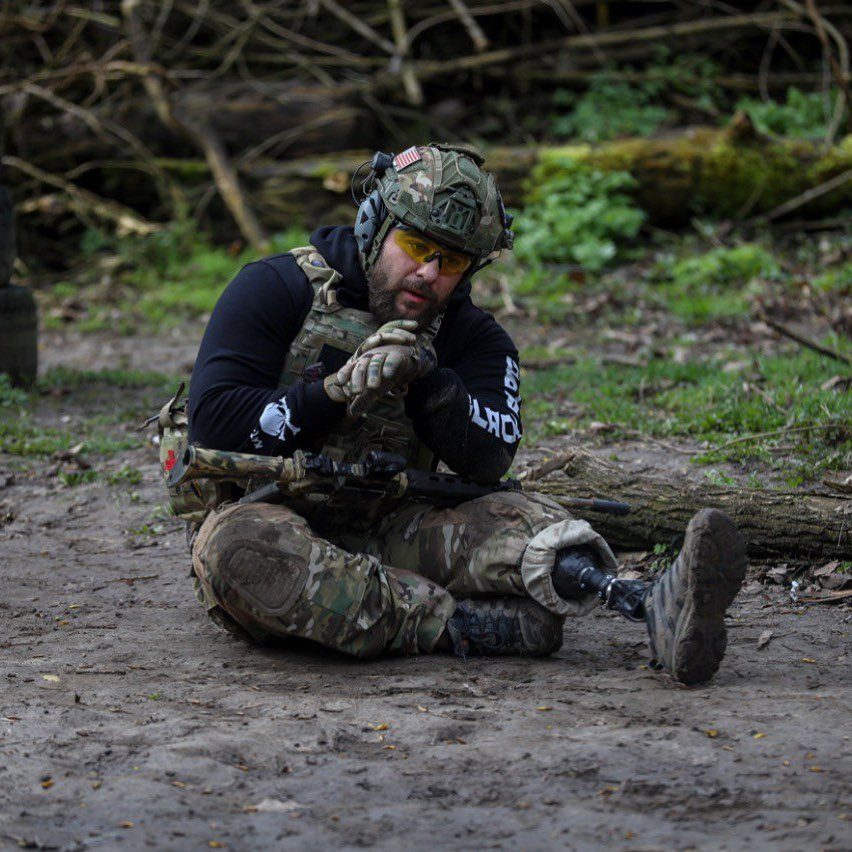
(776, 524)
(734, 173)
(726, 173)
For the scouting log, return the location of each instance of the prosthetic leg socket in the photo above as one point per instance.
(576, 573)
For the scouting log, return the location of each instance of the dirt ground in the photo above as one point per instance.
(127, 719)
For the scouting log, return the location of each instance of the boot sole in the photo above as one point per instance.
(715, 573)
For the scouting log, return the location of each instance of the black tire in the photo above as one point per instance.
(7, 237)
(18, 334)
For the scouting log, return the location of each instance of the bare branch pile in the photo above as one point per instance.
(124, 115)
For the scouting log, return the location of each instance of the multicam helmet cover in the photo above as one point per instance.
(442, 191)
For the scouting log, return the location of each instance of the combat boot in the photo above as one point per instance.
(685, 607)
(482, 627)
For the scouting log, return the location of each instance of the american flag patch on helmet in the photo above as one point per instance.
(406, 158)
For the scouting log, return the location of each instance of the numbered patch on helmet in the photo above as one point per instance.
(457, 213)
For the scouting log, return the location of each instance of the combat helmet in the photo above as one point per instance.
(441, 190)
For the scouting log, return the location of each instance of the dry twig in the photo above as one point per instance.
(81, 199)
(806, 341)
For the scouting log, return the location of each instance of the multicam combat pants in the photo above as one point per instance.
(265, 571)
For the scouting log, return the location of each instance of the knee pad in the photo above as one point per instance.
(252, 563)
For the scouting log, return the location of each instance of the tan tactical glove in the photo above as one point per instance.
(388, 359)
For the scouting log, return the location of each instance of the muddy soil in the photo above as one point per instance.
(127, 720)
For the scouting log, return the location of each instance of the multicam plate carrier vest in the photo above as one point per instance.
(326, 340)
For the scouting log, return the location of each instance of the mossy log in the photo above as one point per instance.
(724, 173)
(776, 524)
(732, 173)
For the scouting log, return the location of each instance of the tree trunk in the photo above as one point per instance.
(776, 524)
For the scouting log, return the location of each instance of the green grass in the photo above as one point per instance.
(69, 379)
(701, 401)
(716, 284)
(160, 280)
(24, 416)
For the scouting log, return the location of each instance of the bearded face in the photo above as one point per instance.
(401, 287)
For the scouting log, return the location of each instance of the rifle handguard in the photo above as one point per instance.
(200, 463)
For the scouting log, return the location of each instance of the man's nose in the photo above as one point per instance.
(429, 270)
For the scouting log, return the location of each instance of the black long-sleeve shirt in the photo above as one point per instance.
(467, 410)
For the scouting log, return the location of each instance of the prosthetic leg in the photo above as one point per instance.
(576, 573)
(683, 609)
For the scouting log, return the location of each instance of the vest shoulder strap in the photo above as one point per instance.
(319, 274)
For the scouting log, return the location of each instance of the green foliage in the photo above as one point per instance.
(70, 478)
(804, 115)
(170, 275)
(10, 397)
(125, 475)
(578, 215)
(607, 110)
(716, 284)
(611, 107)
(544, 284)
(725, 266)
(837, 280)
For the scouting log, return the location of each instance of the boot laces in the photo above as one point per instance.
(487, 631)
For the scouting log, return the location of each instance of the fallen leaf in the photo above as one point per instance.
(178, 783)
(215, 844)
(125, 823)
(712, 733)
(763, 639)
(758, 736)
(825, 570)
(47, 783)
(808, 660)
(835, 581)
(381, 727)
(274, 806)
(778, 574)
(544, 708)
(50, 678)
(817, 769)
(389, 747)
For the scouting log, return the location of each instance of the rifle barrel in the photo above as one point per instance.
(609, 507)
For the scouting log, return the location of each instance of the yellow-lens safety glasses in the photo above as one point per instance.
(423, 250)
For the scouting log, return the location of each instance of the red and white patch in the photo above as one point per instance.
(406, 158)
(170, 462)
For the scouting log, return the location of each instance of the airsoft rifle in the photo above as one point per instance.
(318, 477)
